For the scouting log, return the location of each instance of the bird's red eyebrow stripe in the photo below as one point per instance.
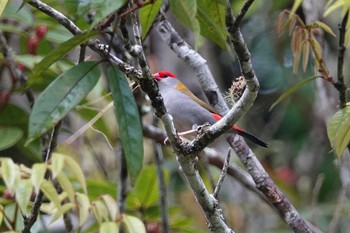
(166, 73)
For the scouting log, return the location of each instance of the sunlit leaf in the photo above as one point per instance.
(37, 177)
(324, 27)
(333, 7)
(147, 15)
(84, 206)
(9, 173)
(9, 136)
(292, 90)
(66, 186)
(296, 5)
(338, 129)
(73, 167)
(2, 6)
(24, 191)
(108, 227)
(100, 210)
(59, 213)
(128, 119)
(51, 193)
(111, 206)
(57, 164)
(133, 224)
(61, 96)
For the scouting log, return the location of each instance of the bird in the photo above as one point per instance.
(187, 110)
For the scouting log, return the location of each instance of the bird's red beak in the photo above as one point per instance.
(157, 76)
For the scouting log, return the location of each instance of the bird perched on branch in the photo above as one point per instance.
(189, 111)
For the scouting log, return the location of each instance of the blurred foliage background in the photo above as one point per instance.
(299, 158)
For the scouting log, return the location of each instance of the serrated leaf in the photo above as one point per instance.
(291, 91)
(104, 8)
(24, 190)
(37, 177)
(57, 53)
(211, 17)
(73, 167)
(65, 208)
(61, 96)
(57, 164)
(129, 121)
(133, 224)
(51, 193)
(108, 227)
(66, 186)
(338, 130)
(325, 27)
(9, 173)
(185, 11)
(9, 136)
(84, 206)
(111, 206)
(147, 15)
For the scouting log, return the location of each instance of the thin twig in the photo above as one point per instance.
(315, 194)
(223, 174)
(47, 152)
(337, 212)
(242, 13)
(162, 185)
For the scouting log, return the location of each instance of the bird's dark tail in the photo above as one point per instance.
(250, 137)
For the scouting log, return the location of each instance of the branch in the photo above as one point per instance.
(265, 184)
(223, 174)
(340, 85)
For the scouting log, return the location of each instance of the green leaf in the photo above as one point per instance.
(61, 96)
(324, 27)
(9, 136)
(100, 210)
(296, 5)
(57, 164)
(104, 8)
(2, 6)
(291, 91)
(37, 177)
(56, 54)
(133, 224)
(9, 173)
(211, 16)
(129, 121)
(147, 15)
(65, 208)
(66, 186)
(146, 191)
(108, 227)
(73, 167)
(185, 11)
(51, 193)
(111, 206)
(23, 193)
(338, 130)
(84, 206)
